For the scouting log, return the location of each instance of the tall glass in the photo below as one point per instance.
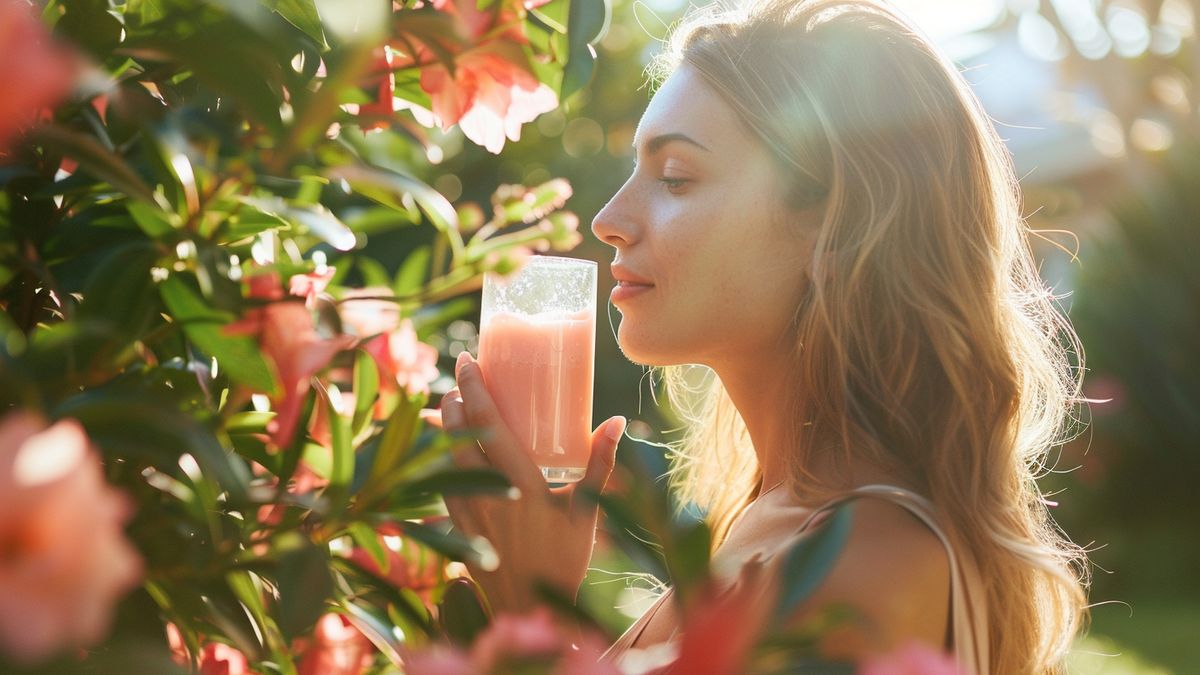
(537, 349)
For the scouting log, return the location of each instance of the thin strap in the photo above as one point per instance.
(967, 599)
(631, 634)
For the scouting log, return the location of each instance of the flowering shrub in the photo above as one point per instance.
(211, 450)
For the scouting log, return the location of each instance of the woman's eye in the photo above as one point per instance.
(673, 184)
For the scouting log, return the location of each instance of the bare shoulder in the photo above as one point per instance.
(895, 572)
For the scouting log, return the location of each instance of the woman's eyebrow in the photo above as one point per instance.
(656, 143)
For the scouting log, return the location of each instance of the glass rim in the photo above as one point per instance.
(558, 261)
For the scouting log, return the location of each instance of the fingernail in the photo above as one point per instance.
(464, 357)
(615, 429)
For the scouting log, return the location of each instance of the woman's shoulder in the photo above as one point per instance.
(894, 570)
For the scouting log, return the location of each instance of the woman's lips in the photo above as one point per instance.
(626, 290)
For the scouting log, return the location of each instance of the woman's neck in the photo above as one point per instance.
(759, 389)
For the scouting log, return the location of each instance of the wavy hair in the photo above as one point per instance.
(926, 342)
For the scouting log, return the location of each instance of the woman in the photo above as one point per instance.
(822, 214)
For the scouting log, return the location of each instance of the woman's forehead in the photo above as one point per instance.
(687, 105)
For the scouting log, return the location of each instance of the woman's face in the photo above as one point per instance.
(700, 225)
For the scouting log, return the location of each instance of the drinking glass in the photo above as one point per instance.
(537, 349)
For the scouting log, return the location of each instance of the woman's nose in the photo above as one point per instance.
(612, 224)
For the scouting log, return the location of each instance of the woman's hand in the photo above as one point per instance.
(544, 535)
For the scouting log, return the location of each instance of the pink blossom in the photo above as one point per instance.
(218, 658)
(440, 660)
(493, 90)
(513, 639)
(405, 363)
(914, 658)
(288, 339)
(721, 626)
(64, 558)
(35, 73)
(309, 286)
(412, 566)
(303, 481)
(383, 80)
(489, 96)
(337, 648)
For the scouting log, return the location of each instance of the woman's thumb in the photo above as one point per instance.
(604, 453)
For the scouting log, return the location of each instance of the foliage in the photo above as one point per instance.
(184, 246)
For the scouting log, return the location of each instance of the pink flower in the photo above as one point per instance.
(218, 658)
(512, 640)
(410, 565)
(337, 648)
(64, 559)
(288, 339)
(35, 73)
(404, 361)
(309, 286)
(914, 658)
(490, 95)
(440, 660)
(493, 90)
(720, 627)
(383, 80)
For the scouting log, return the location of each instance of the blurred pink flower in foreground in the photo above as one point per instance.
(492, 91)
(216, 658)
(512, 640)
(409, 564)
(721, 625)
(35, 73)
(913, 658)
(337, 648)
(404, 361)
(64, 559)
(287, 337)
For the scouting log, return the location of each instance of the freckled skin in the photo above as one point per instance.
(726, 260)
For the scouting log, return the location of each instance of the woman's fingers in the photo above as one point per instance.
(605, 439)
(502, 449)
(466, 455)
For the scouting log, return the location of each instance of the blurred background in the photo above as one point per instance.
(1097, 100)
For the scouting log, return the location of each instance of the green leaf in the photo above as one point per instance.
(131, 427)
(462, 612)
(96, 160)
(154, 221)
(587, 21)
(473, 550)
(366, 387)
(303, 15)
(631, 537)
(413, 272)
(304, 584)
(238, 356)
(373, 272)
(458, 482)
(342, 469)
(317, 220)
(120, 292)
(397, 437)
(688, 558)
(811, 559)
(376, 626)
(368, 540)
(389, 187)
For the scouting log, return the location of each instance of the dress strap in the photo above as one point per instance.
(967, 599)
(631, 634)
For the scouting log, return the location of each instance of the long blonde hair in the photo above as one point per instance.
(926, 344)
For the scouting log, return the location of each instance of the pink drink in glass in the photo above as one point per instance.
(539, 371)
(537, 346)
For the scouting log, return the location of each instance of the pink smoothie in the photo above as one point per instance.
(539, 371)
